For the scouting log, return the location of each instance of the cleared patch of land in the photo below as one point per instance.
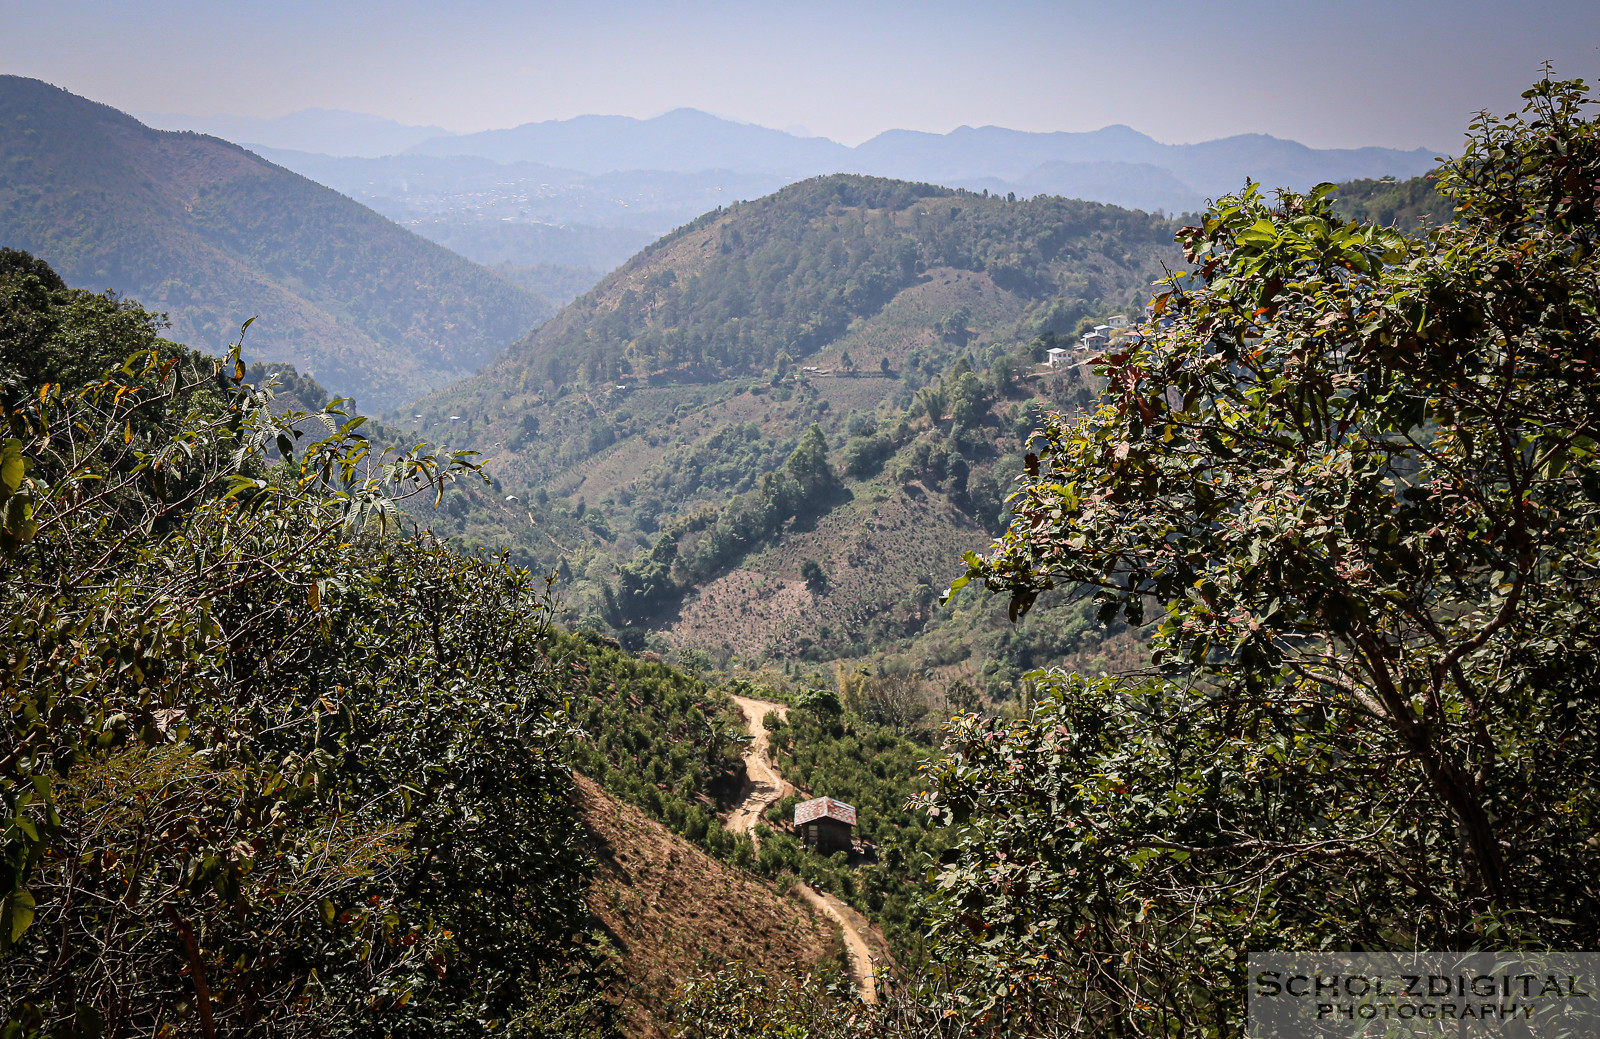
(671, 909)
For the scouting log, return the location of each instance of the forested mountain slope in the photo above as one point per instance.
(747, 402)
(212, 235)
(789, 273)
(1408, 204)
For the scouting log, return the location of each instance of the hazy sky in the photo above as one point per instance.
(1403, 73)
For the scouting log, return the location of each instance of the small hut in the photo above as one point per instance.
(824, 824)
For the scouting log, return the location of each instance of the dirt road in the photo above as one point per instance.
(766, 788)
(854, 927)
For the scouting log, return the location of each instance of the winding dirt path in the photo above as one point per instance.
(854, 927)
(766, 788)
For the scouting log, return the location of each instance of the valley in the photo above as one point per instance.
(212, 235)
(770, 600)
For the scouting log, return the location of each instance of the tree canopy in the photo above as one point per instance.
(1350, 481)
(270, 765)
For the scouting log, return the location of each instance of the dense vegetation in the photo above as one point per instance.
(644, 491)
(265, 770)
(785, 275)
(1355, 477)
(659, 402)
(656, 737)
(694, 548)
(1411, 205)
(737, 289)
(212, 234)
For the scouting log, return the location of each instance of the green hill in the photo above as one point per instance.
(1408, 204)
(213, 234)
(789, 273)
(651, 441)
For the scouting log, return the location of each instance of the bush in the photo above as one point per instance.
(266, 763)
(1355, 477)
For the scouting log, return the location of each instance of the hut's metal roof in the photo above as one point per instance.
(824, 807)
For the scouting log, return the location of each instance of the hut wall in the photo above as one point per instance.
(826, 835)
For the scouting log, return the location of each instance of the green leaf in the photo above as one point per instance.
(12, 466)
(18, 913)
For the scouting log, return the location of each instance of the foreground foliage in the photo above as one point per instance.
(1356, 476)
(264, 770)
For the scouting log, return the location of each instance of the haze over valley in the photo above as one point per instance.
(588, 192)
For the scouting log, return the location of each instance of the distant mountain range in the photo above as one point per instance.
(213, 234)
(685, 141)
(1115, 160)
(585, 193)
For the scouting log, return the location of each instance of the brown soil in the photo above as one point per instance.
(874, 549)
(766, 787)
(671, 909)
(858, 938)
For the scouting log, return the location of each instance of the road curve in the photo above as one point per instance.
(853, 926)
(766, 788)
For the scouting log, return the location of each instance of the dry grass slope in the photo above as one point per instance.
(671, 909)
(872, 550)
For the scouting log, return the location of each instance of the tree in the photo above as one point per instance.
(968, 399)
(809, 465)
(863, 455)
(821, 700)
(247, 715)
(49, 332)
(934, 401)
(1356, 479)
(896, 699)
(952, 326)
(816, 580)
(963, 696)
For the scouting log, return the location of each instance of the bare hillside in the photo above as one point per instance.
(670, 909)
